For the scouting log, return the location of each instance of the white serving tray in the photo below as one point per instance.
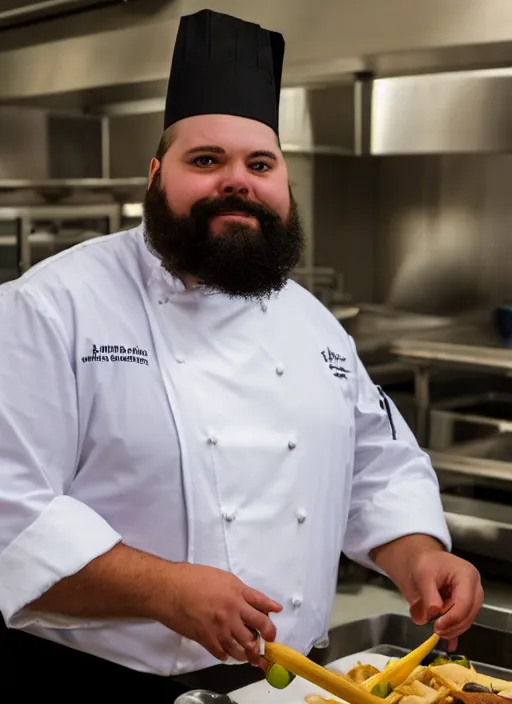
(295, 693)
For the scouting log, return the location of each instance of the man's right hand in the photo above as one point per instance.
(214, 608)
(205, 604)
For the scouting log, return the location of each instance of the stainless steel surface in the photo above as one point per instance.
(448, 429)
(55, 190)
(101, 56)
(105, 148)
(479, 527)
(491, 405)
(475, 332)
(495, 617)
(321, 120)
(468, 417)
(467, 466)
(36, 145)
(329, 104)
(41, 184)
(62, 212)
(442, 239)
(23, 143)
(488, 643)
(468, 356)
(376, 328)
(30, 249)
(475, 347)
(203, 696)
(14, 11)
(496, 448)
(442, 113)
(312, 120)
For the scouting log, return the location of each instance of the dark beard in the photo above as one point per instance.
(241, 261)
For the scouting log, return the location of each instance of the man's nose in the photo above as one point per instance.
(235, 182)
(235, 187)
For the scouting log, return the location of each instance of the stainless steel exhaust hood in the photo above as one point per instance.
(460, 112)
(324, 119)
(16, 12)
(365, 77)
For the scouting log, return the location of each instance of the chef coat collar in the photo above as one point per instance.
(155, 276)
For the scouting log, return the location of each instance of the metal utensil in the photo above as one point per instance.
(433, 620)
(203, 696)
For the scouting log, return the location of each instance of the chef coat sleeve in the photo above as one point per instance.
(395, 491)
(44, 534)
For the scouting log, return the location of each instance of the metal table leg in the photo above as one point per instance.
(422, 400)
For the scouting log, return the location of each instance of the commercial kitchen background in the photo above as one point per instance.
(396, 126)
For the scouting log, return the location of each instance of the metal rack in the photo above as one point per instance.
(469, 436)
(473, 347)
(20, 228)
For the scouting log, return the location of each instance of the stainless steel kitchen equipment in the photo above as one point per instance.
(468, 435)
(30, 234)
(488, 643)
(468, 417)
(103, 71)
(464, 346)
(15, 12)
(39, 218)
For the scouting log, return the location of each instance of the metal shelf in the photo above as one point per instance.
(24, 219)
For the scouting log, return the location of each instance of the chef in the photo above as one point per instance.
(188, 439)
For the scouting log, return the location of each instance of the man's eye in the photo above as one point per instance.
(204, 161)
(260, 166)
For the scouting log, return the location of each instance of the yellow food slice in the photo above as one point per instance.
(400, 670)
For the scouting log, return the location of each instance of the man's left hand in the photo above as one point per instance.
(443, 583)
(434, 582)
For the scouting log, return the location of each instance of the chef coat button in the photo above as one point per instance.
(301, 517)
(279, 370)
(213, 440)
(229, 517)
(296, 602)
(292, 445)
(180, 360)
(264, 307)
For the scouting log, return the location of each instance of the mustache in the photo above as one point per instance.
(207, 208)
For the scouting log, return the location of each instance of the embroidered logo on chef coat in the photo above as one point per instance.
(117, 353)
(335, 362)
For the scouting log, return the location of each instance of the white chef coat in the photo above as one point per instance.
(242, 435)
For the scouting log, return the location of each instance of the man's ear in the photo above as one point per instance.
(153, 168)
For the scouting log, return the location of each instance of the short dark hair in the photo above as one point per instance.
(165, 142)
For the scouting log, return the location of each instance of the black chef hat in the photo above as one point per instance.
(224, 65)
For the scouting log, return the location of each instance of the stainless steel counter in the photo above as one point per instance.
(470, 346)
(488, 643)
